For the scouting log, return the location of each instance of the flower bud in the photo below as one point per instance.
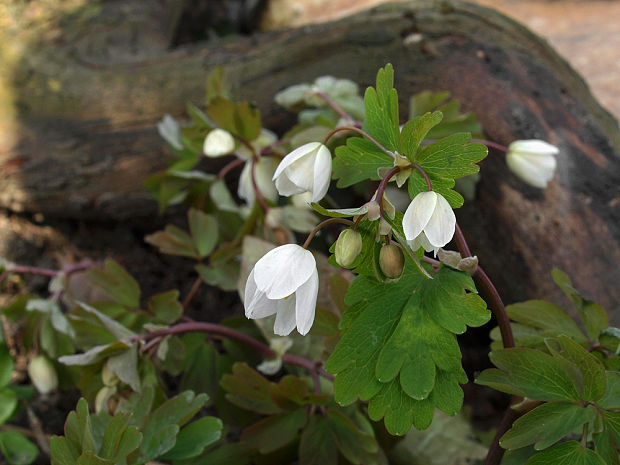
(108, 377)
(533, 161)
(348, 247)
(391, 261)
(218, 143)
(42, 374)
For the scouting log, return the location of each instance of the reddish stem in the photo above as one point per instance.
(490, 144)
(229, 167)
(429, 187)
(361, 132)
(321, 225)
(333, 104)
(383, 184)
(192, 292)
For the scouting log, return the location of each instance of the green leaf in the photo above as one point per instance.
(444, 161)
(414, 132)
(249, 390)
(17, 449)
(567, 453)
(193, 439)
(381, 107)
(241, 119)
(173, 241)
(225, 276)
(6, 365)
(116, 283)
(547, 317)
(114, 327)
(217, 84)
(125, 366)
(204, 231)
(586, 371)
(547, 424)
(8, 404)
(95, 354)
(358, 160)
(317, 445)
(78, 429)
(158, 442)
(612, 422)
(340, 212)
(453, 120)
(166, 306)
(355, 445)
(592, 314)
(606, 447)
(119, 440)
(398, 339)
(611, 398)
(275, 431)
(533, 373)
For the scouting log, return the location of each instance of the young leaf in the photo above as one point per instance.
(119, 439)
(204, 231)
(249, 390)
(381, 107)
(166, 306)
(6, 365)
(317, 445)
(399, 339)
(534, 373)
(611, 398)
(17, 449)
(241, 119)
(173, 241)
(358, 160)
(116, 283)
(275, 431)
(606, 447)
(193, 439)
(8, 404)
(592, 314)
(587, 372)
(567, 453)
(547, 424)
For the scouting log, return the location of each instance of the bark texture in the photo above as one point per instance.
(85, 92)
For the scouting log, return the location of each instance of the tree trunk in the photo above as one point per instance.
(78, 137)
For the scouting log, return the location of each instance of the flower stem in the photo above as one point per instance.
(223, 331)
(361, 132)
(259, 196)
(192, 292)
(490, 144)
(337, 108)
(383, 184)
(429, 187)
(496, 452)
(321, 225)
(229, 167)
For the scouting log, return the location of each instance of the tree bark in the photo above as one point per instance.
(78, 137)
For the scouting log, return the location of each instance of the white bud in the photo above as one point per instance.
(42, 374)
(533, 161)
(218, 143)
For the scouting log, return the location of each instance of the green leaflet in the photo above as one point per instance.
(359, 159)
(567, 453)
(444, 161)
(381, 107)
(398, 348)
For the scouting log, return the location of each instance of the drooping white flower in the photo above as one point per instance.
(263, 172)
(429, 222)
(284, 281)
(533, 161)
(306, 169)
(218, 143)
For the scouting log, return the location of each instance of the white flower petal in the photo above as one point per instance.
(282, 270)
(256, 303)
(294, 156)
(301, 172)
(305, 306)
(218, 143)
(440, 227)
(286, 187)
(418, 213)
(322, 173)
(533, 146)
(245, 190)
(285, 317)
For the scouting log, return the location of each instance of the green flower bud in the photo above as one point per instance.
(42, 374)
(348, 247)
(391, 261)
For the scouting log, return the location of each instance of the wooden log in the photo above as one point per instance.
(82, 136)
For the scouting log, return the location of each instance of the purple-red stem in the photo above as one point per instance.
(361, 132)
(229, 167)
(192, 292)
(383, 184)
(321, 225)
(334, 105)
(490, 144)
(223, 331)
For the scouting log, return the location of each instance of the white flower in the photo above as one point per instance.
(429, 222)
(263, 171)
(306, 169)
(533, 161)
(42, 374)
(285, 282)
(218, 143)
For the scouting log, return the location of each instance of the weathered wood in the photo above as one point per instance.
(84, 138)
